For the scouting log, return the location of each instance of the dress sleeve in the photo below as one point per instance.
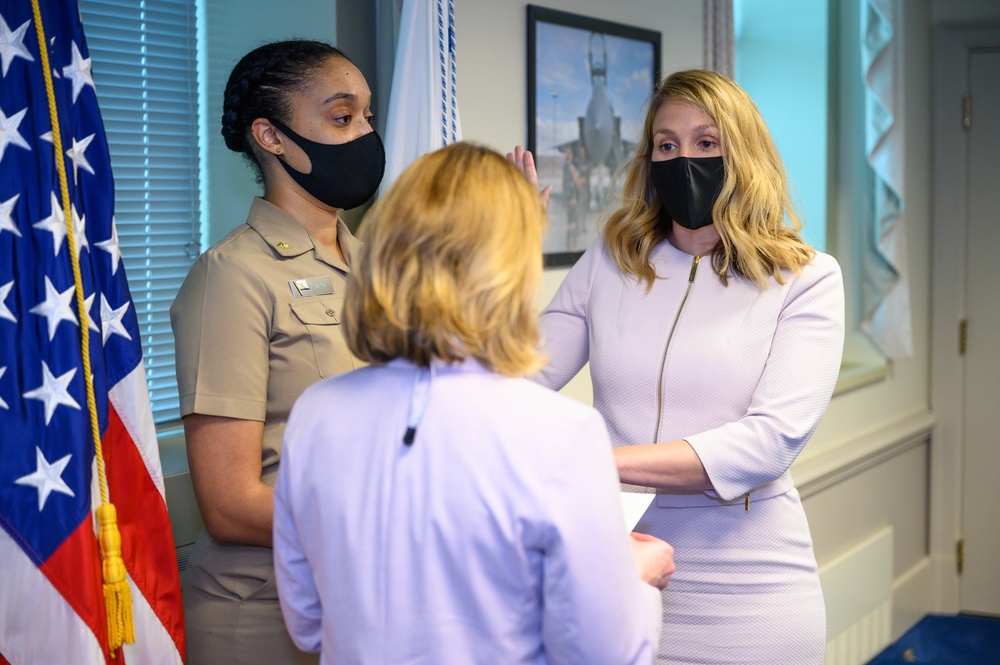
(596, 608)
(564, 323)
(297, 591)
(793, 392)
(221, 321)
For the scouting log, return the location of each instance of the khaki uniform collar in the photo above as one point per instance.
(288, 238)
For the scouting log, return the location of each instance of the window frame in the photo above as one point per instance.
(144, 59)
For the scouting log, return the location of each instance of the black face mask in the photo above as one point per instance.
(344, 175)
(688, 188)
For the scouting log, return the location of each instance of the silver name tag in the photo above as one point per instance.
(310, 286)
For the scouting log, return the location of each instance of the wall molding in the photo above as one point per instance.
(815, 473)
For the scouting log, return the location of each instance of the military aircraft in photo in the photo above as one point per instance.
(599, 127)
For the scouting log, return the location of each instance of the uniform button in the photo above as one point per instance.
(330, 312)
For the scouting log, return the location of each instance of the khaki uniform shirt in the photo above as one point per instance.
(246, 345)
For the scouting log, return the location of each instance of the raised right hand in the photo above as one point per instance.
(525, 163)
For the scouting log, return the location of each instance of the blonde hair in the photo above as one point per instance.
(450, 265)
(754, 240)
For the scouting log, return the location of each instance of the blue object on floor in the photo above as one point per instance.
(946, 639)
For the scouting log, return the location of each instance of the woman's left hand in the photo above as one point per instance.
(525, 163)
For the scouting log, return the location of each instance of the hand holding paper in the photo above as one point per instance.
(654, 559)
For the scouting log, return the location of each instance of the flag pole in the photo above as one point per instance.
(117, 594)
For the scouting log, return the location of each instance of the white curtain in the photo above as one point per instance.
(885, 296)
(423, 106)
(720, 47)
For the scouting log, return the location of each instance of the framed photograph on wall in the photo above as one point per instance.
(589, 82)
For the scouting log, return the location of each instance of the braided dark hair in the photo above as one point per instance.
(259, 84)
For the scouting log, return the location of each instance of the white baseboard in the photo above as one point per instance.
(912, 597)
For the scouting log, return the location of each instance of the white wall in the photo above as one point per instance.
(492, 68)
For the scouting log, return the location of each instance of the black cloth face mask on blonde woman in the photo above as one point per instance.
(688, 188)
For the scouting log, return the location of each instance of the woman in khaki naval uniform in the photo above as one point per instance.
(257, 321)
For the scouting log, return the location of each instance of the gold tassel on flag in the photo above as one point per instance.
(117, 594)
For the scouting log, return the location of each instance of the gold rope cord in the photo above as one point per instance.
(117, 594)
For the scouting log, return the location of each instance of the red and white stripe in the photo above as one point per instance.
(66, 622)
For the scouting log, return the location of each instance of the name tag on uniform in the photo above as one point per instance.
(310, 286)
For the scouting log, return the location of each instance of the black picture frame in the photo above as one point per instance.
(565, 134)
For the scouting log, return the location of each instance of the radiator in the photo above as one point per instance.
(857, 587)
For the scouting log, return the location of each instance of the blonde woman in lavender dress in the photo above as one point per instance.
(714, 335)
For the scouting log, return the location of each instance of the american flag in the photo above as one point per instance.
(51, 600)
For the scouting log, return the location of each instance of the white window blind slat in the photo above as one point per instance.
(144, 64)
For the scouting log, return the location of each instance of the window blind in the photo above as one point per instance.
(144, 64)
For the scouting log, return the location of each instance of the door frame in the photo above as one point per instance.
(952, 46)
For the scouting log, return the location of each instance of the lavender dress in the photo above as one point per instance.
(744, 376)
(495, 537)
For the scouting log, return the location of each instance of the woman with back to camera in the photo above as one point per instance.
(461, 514)
(258, 319)
(714, 335)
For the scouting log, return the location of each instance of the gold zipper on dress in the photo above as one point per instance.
(663, 361)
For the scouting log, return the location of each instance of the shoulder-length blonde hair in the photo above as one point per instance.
(450, 265)
(755, 242)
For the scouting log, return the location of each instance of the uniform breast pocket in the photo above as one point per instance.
(321, 317)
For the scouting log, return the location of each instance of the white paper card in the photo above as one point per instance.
(634, 505)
